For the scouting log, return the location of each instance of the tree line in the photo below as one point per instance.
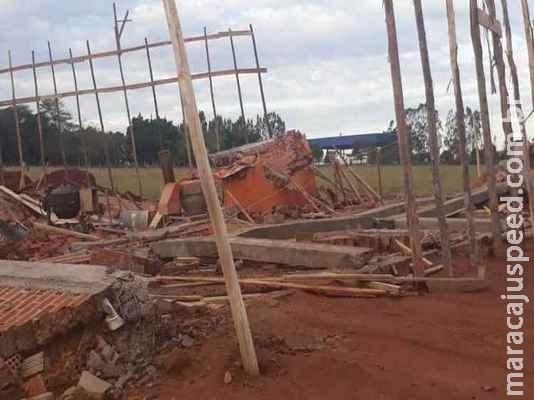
(417, 121)
(151, 135)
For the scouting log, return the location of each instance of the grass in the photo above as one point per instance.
(392, 178)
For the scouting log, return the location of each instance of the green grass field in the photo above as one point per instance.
(392, 178)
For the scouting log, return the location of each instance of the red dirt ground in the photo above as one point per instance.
(442, 346)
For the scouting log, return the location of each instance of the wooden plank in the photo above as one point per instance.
(65, 232)
(320, 289)
(490, 22)
(109, 53)
(433, 136)
(185, 82)
(133, 86)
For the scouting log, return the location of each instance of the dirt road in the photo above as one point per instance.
(442, 346)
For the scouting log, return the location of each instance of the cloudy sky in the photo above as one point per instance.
(327, 59)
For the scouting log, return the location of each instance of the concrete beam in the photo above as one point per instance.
(310, 255)
(363, 220)
(482, 225)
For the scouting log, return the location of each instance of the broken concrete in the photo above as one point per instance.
(310, 255)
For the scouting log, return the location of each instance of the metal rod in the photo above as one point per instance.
(260, 81)
(153, 87)
(38, 116)
(214, 108)
(238, 86)
(83, 58)
(134, 86)
(404, 144)
(58, 113)
(85, 149)
(17, 122)
(101, 120)
(126, 102)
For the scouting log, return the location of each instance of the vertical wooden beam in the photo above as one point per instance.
(186, 135)
(17, 122)
(2, 176)
(85, 149)
(239, 314)
(527, 25)
(498, 56)
(486, 129)
(38, 115)
(260, 81)
(58, 113)
(519, 105)
(118, 32)
(379, 171)
(101, 120)
(404, 146)
(238, 83)
(433, 136)
(462, 137)
(214, 108)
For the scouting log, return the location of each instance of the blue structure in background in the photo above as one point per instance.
(348, 142)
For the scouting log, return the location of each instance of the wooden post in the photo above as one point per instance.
(214, 108)
(238, 82)
(118, 32)
(237, 306)
(379, 171)
(260, 81)
(38, 116)
(85, 149)
(58, 113)
(433, 136)
(527, 25)
(101, 120)
(404, 147)
(486, 129)
(186, 135)
(460, 126)
(498, 57)
(2, 177)
(519, 105)
(17, 122)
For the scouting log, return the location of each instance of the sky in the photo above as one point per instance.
(328, 71)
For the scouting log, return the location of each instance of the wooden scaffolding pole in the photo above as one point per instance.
(153, 87)
(101, 120)
(17, 122)
(118, 33)
(38, 116)
(58, 113)
(486, 129)
(462, 137)
(214, 108)
(404, 146)
(527, 25)
(519, 105)
(260, 82)
(239, 314)
(498, 56)
(433, 137)
(85, 148)
(238, 83)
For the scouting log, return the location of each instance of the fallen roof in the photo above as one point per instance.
(350, 141)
